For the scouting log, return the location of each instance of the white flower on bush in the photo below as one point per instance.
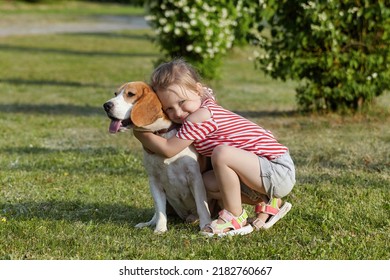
(167, 28)
(270, 67)
(181, 3)
(207, 27)
(193, 22)
(210, 23)
(322, 16)
(224, 13)
(150, 18)
(353, 10)
(169, 13)
(162, 21)
(198, 49)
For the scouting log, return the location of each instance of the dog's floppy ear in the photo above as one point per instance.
(147, 109)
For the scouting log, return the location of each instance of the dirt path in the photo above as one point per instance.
(95, 24)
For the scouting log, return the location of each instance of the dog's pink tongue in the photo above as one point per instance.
(114, 126)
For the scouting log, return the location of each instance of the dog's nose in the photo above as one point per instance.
(108, 106)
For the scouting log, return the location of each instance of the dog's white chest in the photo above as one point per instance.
(175, 177)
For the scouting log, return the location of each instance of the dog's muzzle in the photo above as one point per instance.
(108, 106)
(116, 124)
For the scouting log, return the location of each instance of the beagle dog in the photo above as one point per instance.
(176, 181)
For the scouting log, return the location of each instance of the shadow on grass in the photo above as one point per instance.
(73, 211)
(106, 160)
(26, 150)
(263, 114)
(24, 49)
(115, 35)
(19, 82)
(52, 109)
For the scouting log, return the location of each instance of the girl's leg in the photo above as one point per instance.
(230, 165)
(212, 187)
(214, 192)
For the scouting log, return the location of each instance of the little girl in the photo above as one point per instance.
(248, 163)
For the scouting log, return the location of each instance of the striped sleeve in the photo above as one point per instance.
(196, 131)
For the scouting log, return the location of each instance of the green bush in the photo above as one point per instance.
(339, 50)
(199, 31)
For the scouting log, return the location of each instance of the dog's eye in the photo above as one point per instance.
(130, 94)
(115, 93)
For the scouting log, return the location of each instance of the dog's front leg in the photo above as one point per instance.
(160, 204)
(159, 198)
(199, 192)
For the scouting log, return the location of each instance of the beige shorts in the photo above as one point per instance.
(277, 175)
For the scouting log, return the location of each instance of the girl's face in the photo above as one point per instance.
(178, 103)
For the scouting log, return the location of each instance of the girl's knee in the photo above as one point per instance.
(220, 155)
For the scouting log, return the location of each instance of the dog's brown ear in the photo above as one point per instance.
(147, 109)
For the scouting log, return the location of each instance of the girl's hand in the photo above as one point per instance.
(165, 147)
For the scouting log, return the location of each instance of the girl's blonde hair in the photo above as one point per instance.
(177, 72)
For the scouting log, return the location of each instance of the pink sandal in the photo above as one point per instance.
(271, 209)
(236, 225)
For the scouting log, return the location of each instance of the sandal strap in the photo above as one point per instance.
(266, 208)
(235, 221)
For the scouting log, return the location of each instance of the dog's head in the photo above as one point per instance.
(136, 105)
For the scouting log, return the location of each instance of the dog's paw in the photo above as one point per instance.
(160, 230)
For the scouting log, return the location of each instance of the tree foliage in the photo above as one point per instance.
(199, 31)
(338, 50)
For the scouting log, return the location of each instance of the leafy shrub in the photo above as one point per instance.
(199, 31)
(339, 50)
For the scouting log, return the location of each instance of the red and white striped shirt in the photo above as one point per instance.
(227, 128)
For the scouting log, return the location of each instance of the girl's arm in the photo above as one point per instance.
(165, 147)
(172, 146)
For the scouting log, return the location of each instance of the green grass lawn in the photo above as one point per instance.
(70, 190)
